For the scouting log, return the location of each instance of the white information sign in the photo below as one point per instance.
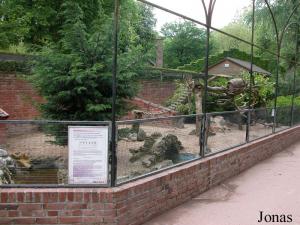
(88, 155)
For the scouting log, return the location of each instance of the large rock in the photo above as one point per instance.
(166, 147)
(218, 124)
(148, 161)
(141, 135)
(219, 121)
(7, 167)
(142, 151)
(3, 153)
(156, 151)
(132, 137)
(2, 163)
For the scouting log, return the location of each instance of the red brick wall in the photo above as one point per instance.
(138, 201)
(156, 91)
(2, 134)
(150, 109)
(18, 98)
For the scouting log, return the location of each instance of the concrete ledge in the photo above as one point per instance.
(139, 201)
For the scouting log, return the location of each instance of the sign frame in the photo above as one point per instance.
(108, 154)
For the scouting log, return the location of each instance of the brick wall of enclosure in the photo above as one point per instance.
(156, 91)
(17, 97)
(138, 201)
(2, 134)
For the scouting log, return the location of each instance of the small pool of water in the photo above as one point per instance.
(182, 157)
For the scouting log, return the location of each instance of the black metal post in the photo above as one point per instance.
(279, 38)
(251, 79)
(203, 133)
(276, 94)
(204, 117)
(295, 72)
(114, 95)
(277, 66)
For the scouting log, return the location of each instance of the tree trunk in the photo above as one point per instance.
(198, 104)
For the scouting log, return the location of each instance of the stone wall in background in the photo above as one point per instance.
(18, 98)
(156, 91)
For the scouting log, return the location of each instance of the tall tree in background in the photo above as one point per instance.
(222, 43)
(38, 23)
(184, 43)
(264, 27)
(34, 22)
(74, 74)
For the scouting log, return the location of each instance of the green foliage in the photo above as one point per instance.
(183, 108)
(263, 92)
(285, 101)
(221, 42)
(34, 22)
(182, 43)
(14, 66)
(124, 133)
(38, 23)
(265, 31)
(180, 89)
(263, 88)
(284, 104)
(19, 48)
(75, 74)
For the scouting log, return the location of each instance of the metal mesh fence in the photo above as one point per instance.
(153, 144)
(225, 130)
(151, 137)
(296, 115)
(36, 152)
(283, 118)
(261, 123)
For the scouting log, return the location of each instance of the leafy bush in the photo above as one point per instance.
(14, 66)
(284, 104)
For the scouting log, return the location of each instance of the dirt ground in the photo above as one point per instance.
(37, 144)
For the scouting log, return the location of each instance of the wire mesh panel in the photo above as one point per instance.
(225, 130)
(283, 118)
(261, 123)
(149, 145)
(296, 115)
(35, 152)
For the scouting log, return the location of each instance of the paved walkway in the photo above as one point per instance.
(273, 186)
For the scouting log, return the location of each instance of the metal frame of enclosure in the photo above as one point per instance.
(208, 7)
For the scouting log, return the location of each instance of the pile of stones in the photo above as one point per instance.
(7, 168)
(157, 152)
